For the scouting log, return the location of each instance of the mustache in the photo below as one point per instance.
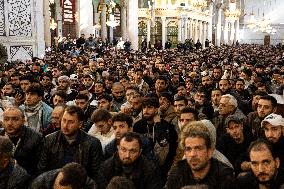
(262, 174)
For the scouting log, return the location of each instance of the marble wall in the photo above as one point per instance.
(22, 28)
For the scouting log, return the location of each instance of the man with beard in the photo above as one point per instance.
(207, 86)
(12, 176)
(198, 167)
(215, 99)
(179, 104)
(129, 162)
(64, 85)
(118, 94)
(71, 144)
(202, 105)
(167, 111)
(217, 74)
(161, 85)
(161, 133)
(105, 102)
(265, 172)
(234, 144)
(272, 126)
(88, 82)
(8, 90)
(266, 105)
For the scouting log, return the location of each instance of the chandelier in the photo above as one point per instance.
(199, 3)
(252, 22)
(232, 14)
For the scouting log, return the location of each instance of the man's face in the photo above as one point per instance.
(160, 85)
(225, 108)
(88, 82)
(120, 128)
(46, 81)
(255, 100)
(104, 104)
(99, 88)
(186, 118)
(32, 99)
(25, 85)
(175, 79)
(103, 127)
(217, 73)
(15, 80)
(63, 84)
(149, 112)
(196, 153)
(128, 152)
(70, 124)
(55, 73)
(118, 92)
(181, 91)
(138, 76)
(93, 66)
(57, 100)
(13, 121)
(264, 108)
(206, 81)
(178, 106)
(235, 130)
(81, 103)
(224, 86)
(129, 94)
(199, 97)
(86, 70)
(240, 86)
(216, 97)
(164, 103)
(56, 117)
(272, 133)
(263, 165)
(8, 90)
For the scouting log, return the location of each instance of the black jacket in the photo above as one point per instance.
(46, 181)
(28, 149)
(14, 177)
(218, 177)
(85, 150)
(145, 174)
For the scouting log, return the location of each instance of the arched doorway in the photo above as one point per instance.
(172, 33)
(142, 32)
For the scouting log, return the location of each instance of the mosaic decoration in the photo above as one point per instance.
(21, 52)
(19, 17)
(2, 19)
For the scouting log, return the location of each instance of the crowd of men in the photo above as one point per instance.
(108, 118)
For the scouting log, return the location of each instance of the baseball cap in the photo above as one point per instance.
(232, 118)
(273, 119)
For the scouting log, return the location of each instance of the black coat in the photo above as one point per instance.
(145, 174)
(219, 176)
(28, 150)
(46, 181)
(14, 177)
(85, 150)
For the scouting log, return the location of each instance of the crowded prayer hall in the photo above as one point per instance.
(142, 94)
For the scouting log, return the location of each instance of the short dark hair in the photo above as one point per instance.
(100, 115)
(180, 98)
(123, 117)
(271, 99)
(119, 182)
(260, 145)
(36, 90)
(74, 175)
(190, 110)
(130, 136)
(259, 93)
(75, 110)
(61, 93)
(105, 96)
(82, 96)
(6, 147)
(241, 80)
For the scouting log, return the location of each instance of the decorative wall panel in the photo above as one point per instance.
(19, 17)
(2, 18)
(21, 52)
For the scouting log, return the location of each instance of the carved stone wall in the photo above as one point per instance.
(21, 28)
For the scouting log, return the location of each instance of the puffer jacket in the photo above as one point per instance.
(46, 181)
(14, 177)
(28, 149)
(219, 176)
(87, 151)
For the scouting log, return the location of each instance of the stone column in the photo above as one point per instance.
(209, 25)
(163, 31)
(179, 29)
(133, 23)
(58, 18)
(47, 34)
(205, 27)
(190, 28)
(148, 30)
(232, 32)
(103, 23)
(77, 20)
(237, 33)
(186, 28)
(196, 35)
(39, 29)
(226, 31)
(218, 29)
(123, 20)
(200, 32)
